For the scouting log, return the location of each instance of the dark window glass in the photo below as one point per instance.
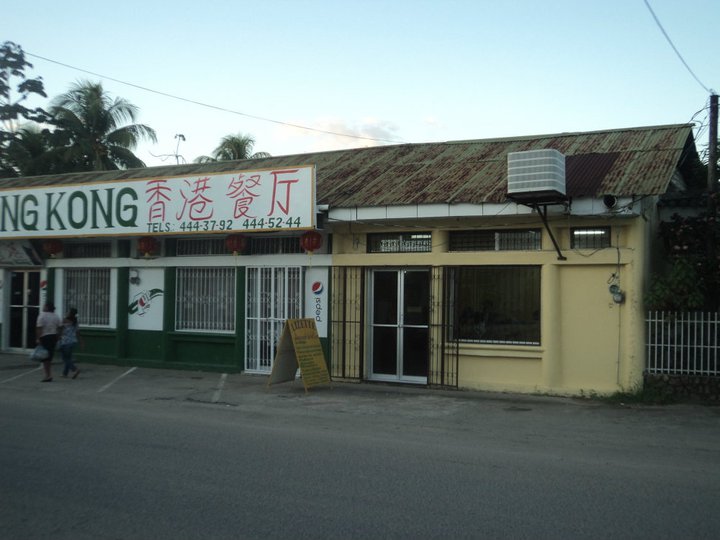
(492, 240)
(83, 250)
(496, 304)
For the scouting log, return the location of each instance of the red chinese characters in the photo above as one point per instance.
(158, 197)
(241, 190)
(198, 205)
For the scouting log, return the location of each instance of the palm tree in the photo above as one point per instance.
(30, 152)
(233, 147)
(95, 125)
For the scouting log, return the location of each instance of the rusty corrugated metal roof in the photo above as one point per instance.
(621, 162)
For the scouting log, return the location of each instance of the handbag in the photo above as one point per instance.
(39, 354)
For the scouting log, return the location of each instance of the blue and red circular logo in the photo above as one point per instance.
(317, 287)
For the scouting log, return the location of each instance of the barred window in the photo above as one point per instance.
(88, 290)
(268, 245)
(590, 237)
(257, 245)
(79, 250)
(399, 242)
(496, 240)
(496, 304)
(187, 247)
(205, 299)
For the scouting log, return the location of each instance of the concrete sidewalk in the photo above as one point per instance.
(251, 392)
(12, 364)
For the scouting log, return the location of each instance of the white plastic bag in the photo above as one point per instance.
(39, 354)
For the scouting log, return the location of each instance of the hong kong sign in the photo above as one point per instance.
(262, 200)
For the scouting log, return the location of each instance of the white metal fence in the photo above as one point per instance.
(683, 343)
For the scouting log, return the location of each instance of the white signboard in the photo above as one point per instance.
(145, 299)
(262, 200)
(316, 298)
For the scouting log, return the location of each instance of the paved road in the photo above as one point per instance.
(139, 453)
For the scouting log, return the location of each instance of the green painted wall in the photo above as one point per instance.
(144, 346)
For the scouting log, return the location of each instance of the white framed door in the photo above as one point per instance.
(24, 308)
(399, 325)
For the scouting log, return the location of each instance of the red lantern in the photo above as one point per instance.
(147, 245)
(52, 247)
(236, 243)
(311, 241)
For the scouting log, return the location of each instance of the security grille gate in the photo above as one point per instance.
(274, 295)
(349, 326)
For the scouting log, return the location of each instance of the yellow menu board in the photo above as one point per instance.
(299, 346)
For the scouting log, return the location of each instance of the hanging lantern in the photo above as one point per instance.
(236, 243)
(52, 247)
(311, 241)
(148, 245)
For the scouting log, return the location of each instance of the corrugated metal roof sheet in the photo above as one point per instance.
(622, 162)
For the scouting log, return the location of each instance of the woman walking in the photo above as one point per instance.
(69, 338)
(46, 330)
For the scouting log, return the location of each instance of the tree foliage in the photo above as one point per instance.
(233, 147)
(95, 128)
(16, 88)
(692, 282)
(85, 130)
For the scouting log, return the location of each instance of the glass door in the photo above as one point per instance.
(24, 307)
(399, 325)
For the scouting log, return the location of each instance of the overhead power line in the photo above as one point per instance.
(657, 21)
(215, 107)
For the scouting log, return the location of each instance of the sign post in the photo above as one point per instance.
(299, 346)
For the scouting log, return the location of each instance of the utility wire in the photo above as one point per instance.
(657, 21)
(222, 109)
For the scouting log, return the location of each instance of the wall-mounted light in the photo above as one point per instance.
(134, 279)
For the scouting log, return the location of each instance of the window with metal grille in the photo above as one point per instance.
(590, 237)
(399, 242)
(496, 240)
(189, 247)
(84, 250)
(205, 299)
(495, 304)
(260, 245)
(88, 290)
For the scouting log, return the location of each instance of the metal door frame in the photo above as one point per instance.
(26, 328)
(398, 377)
(260, 329)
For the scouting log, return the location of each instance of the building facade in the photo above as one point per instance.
(423, 268)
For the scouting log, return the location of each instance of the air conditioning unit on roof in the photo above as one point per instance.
(536, 175)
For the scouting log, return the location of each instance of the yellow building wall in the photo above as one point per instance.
(589, 344)
(590, 330)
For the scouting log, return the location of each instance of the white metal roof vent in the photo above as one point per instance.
(536, 175)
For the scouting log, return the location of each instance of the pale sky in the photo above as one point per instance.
(404, 71)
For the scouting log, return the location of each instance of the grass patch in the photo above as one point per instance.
(643, 396)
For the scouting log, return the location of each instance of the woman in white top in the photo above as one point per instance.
(46, 329)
